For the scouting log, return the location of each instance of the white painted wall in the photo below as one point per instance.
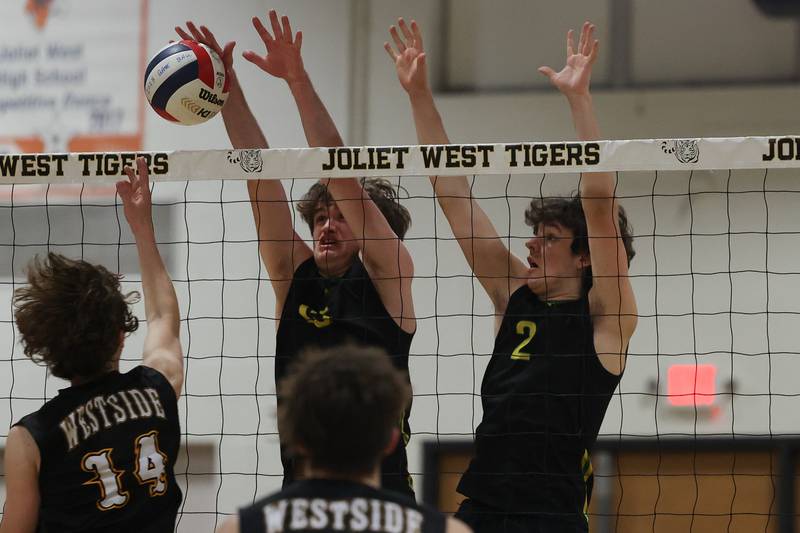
(228, 407)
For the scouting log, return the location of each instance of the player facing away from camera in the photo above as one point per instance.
(354, 285)
(99, 456)
(340, 409)
(563, 319)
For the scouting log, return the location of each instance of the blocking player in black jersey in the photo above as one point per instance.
(99, 456)
(563, 319)
(355, 283)
(340, 409)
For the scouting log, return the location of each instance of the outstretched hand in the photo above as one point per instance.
(205, 36)
(283, 59)
(409, 58)
(136, 200)
(574, 78)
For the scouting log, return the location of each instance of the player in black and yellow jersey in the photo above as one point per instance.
(99, 456)
(340, 409)
(564, 319)
(355, 283)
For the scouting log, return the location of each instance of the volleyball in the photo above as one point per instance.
(186, 83)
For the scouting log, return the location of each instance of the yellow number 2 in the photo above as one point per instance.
(528, 328)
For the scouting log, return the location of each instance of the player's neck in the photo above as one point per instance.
(556, 290)
(80, 380)
(373, 479)
(335, 269)
(83, 380)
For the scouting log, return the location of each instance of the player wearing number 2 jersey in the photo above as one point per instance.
(99, 456)
(563, 319)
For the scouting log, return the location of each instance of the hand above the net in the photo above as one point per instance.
(135, 194)
(283, 59)
(409, 58)
(206, 37)
(162, 347)
(241, 125)
(574, 79)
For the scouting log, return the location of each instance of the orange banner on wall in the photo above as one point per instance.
(70, 75)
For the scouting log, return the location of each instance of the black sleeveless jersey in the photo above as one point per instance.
(324, 312)
(324, 505)
(544, 396)
(107, 452)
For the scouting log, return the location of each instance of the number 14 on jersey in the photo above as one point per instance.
(150, 470)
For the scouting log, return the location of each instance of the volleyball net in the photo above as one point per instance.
(701, 430)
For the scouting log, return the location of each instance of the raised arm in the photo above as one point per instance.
(497, 269)
(385, 256)
(284, 60)
(281, 248)
(611, 298)
(162, 345)
(243, 130)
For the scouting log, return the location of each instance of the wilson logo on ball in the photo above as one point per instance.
(210, 97)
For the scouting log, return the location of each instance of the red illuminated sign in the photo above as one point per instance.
(691, 384)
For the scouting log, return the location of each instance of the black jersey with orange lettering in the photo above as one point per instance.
(107, 451)
(324, 505)
(544, 396)
(324, 312)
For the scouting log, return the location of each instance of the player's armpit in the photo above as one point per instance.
(166, 357)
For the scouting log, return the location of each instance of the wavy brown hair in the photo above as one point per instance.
(382, 193)
(338, 407)
(568, 212)
(71, 315)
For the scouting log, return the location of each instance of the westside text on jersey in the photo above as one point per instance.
(356, 514)
(107, 410)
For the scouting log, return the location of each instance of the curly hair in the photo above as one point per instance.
(568, 213)
(382, 193)
(71, 314)
(339, 406)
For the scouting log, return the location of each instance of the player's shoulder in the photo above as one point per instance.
(307, 269)
(38, 422)
(20, 435)
(357, 267)
(143, 377)
(522, 296)
(268, 499)
(146, 375)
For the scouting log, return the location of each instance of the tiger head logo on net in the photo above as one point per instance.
(249, 160)
(684, 150)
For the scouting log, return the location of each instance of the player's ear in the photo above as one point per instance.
(394, 438)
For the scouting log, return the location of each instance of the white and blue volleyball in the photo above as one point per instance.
(185, 82)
